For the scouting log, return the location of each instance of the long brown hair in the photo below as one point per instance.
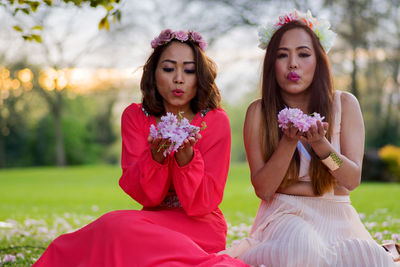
(321, 100)
(207, 95)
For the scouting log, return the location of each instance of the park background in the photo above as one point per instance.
(68, 68)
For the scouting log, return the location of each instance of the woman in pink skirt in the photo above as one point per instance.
(180, 189)
(303, 167)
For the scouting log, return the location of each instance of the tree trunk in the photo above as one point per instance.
(57, 113)
(354, 84)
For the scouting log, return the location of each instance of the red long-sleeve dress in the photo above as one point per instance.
(180, 223)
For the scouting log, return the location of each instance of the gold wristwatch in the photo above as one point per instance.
(333, 161)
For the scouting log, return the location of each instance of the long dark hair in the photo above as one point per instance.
(321, 100)
(207, 95)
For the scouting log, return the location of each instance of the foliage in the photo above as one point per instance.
(27, 132)
(237, 113)
(15, 136)
(17, 113)
(355, 27)
(236, 117)
(391, 156)
(84, 141)
(29, 7)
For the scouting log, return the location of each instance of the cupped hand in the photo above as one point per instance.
(185, 152)
(156, 147)
(316, 133)
(292, 133)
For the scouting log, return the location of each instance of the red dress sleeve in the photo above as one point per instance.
(200, 184)
(144, 179)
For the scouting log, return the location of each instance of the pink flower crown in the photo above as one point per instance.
(320, 27)
(168, 35)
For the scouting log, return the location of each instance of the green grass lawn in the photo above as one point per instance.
(42, 192)
(51, 193)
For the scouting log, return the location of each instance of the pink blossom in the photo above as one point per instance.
(154, 42)
(378, 236)
(281, 20)
(166, 36)
(286, 19)
(197, 38)
(288, 116)
(396, 237)
(174, 130)
(153, 131)
(203, 45)
(295, 117)
(9, 258)
(370, 225)
(181, 36)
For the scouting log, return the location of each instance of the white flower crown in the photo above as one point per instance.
(320, 27)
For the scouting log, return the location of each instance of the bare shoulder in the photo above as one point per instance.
(352, 119)
(254, 108)
(349, 101)
(253, 119)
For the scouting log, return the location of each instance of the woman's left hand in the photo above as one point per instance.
(316, 133)
(185, 152)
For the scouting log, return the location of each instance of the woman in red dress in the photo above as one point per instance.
(180, 223)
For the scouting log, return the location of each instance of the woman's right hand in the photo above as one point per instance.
(292, 133)
(156, 151)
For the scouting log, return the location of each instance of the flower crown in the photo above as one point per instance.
(320, 28)
(168, 35)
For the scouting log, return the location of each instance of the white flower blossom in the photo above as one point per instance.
(321, 28)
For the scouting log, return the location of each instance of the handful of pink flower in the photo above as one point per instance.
(175, 130)
(295, 117)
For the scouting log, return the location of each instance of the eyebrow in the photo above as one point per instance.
(297, 48)
(174, 62)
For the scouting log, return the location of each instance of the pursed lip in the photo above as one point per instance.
(178, 92)
(293, 76)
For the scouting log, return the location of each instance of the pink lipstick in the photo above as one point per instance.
(293, 76)
(177, 92)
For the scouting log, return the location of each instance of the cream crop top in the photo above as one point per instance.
(305, 157)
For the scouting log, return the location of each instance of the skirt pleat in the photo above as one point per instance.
(310, 231)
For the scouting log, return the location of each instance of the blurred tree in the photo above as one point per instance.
(81, 146)
(360, 24)
(16, 115)
(101, 126)
(28, 7)
(54, 93)
(237, 113)
(355, 20)
(374, 81)
(392, 49)
(381, 82)
(53, 83)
